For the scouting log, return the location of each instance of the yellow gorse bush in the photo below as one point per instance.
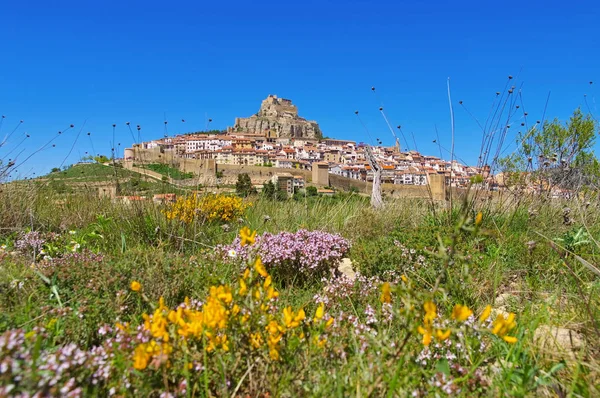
(244, 317)
(209, 207)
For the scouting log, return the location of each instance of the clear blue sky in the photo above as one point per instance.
(106, 62)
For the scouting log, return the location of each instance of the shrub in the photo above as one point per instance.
(208, 208)
(304, 253)
(312, 191)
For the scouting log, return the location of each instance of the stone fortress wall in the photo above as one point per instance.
(206, 171)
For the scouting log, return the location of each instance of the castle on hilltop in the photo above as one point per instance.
(277, 118)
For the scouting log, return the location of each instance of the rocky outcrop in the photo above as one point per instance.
(277, 118)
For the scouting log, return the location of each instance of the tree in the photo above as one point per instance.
(273, 192)
(556, 155)
(268, 190)
(243, 186)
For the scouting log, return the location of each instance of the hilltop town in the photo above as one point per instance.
(277, 137)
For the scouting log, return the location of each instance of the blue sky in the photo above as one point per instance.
(108, 62)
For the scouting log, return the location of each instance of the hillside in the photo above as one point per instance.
(89, 176)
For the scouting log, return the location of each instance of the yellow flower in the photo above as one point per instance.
(274, 354)
(246, 273)
(256, 340)
(478, 219)
(243, 288)
(319, 312)
(292, 320)
(502, 325)
(272, 293)
(208, 207)
(267, 282)
(300, 316)
(426, 335)
(260, 268)
(430, 312)
(485, 314)
(273, 328)
(441, 336)
(510, 339)
(319, 341)
(123, 327)
(247, 236)
(140, 357)
(404, 278)
(223, 342)
(461, 312)
(427, 339)
(386, 295)
(158, 326)
(329, 323)
(176, 317)
(161, 304)
(224, 294)
(136, 286)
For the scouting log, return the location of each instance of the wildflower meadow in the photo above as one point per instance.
(216, 295)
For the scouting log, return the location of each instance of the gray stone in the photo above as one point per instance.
(503, 299)
(554, 338)
(345, 267)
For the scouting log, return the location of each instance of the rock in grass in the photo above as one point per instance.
(345, 267)
(557, 339)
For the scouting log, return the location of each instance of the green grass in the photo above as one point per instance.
(168, 171)
(86, 177)
(175, 261)
(91, 172)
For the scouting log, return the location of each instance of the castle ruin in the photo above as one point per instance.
(277, 118)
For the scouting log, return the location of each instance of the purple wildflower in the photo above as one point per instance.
(30, 241)
(309, 252)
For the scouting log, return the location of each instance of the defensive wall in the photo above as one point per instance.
(206, 171)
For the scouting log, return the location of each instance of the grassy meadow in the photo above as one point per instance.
(243, 297)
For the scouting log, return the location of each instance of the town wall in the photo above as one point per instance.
(406, 191)
(206, 170)
(257, 174)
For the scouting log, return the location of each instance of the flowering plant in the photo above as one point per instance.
(310, 253)
(209, 208)
(450, 343)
